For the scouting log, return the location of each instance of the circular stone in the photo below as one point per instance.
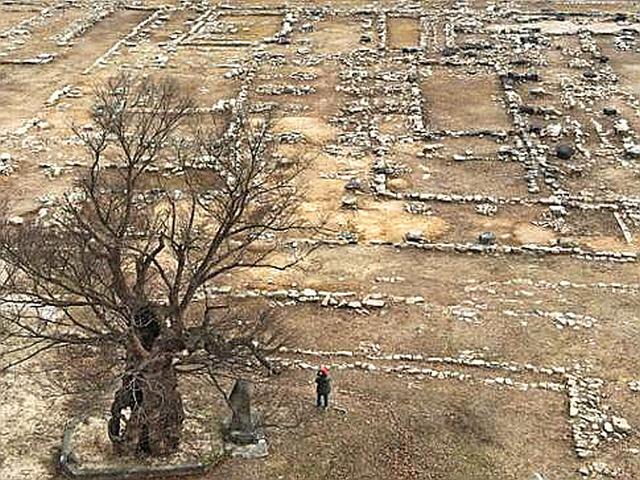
(564, 151)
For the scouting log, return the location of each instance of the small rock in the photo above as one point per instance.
(584, 471)
(414, 300)
(354, 184)
(349, 202)
(487, 238)
(632, 149)
(621, 126)
(414, 236)
(309, 292)
(620, 424)
(373, 302)
(397, 184)
(564, 151)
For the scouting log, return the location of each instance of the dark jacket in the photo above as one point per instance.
(323, 384)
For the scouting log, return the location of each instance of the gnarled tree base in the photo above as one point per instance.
(147, 414)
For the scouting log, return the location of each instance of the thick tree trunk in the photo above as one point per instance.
(147, 412)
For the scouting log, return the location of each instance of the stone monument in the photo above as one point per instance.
(242, 433)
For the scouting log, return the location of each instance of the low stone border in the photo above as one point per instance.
(496, 249)
(69, 468)
(104, 58)
(591, 422)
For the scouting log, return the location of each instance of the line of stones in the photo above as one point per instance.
(580, 202)
(582, 90)
(590, 425)
(322, 297)
(236, 106)
(560, 319)
(528, 249)
(421, 372)
(534, 157)
(98, 12)
(445, 247)
(529, 155)
(616, 287)
(38, 18)
(534, 160)
(127, 39)
(350, 300)
(282, 36)
(412, 11)
(466, 359)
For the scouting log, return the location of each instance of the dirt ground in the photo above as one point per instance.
(545, 318)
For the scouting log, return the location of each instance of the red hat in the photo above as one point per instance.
(324, 370)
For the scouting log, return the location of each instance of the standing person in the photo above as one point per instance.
(323, 387)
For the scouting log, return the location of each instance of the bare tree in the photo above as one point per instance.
(124, 262)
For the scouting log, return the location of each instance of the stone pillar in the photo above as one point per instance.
(243, 435)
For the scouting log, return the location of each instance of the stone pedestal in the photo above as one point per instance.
(247, 443)
(259, 449)
(245, 434)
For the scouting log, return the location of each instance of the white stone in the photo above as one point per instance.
(414, 300)
(309, 292)
(373, 302)
(620, 424)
